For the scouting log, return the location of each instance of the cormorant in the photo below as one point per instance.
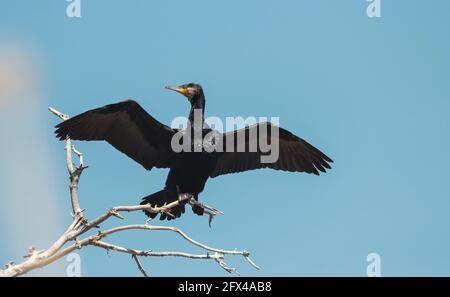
(131, 130)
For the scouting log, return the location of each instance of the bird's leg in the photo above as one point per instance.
(183, 197)
(200, 209)
(197, 207)
(209, 209)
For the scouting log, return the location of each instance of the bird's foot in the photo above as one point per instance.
(184, 197)
(209, 210)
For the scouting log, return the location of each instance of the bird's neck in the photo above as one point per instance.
(196, 115)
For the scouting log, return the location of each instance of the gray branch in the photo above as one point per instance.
(69, 241)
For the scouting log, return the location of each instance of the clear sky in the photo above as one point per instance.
(373, 94)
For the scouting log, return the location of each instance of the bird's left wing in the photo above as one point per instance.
(294, 153)
(127, 127)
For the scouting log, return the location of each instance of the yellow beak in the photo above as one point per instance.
(180, 90)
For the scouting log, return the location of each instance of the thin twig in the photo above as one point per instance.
(139, 265)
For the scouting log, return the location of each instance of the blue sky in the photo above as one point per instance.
(371, 93)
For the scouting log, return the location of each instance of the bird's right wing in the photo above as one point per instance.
(127, 127)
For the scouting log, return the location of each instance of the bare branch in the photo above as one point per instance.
(139, 265)
(59, 114)
(80, 225)
(135, 253)
(74, 172)
(80, 156)
(176, 230)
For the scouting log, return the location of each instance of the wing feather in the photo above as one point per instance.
(128, 128)
(295, 154)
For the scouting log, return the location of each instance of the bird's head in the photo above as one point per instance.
(191, 91)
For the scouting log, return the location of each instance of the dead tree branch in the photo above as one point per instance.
(70, 240)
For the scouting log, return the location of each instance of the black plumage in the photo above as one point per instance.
(131, 130)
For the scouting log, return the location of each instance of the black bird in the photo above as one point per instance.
(131, 130)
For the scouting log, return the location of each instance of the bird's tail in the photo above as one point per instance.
(160, 198)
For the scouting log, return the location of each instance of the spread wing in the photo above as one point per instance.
(127, 127)
(295, 154)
